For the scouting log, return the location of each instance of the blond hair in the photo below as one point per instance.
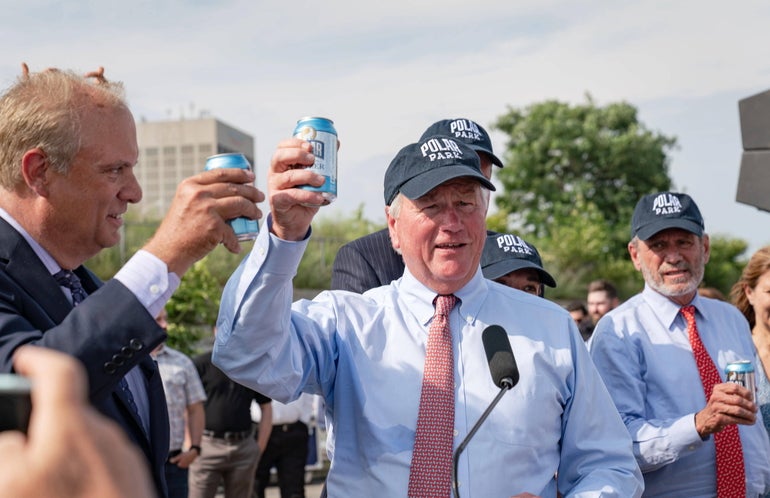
(44, 110)
(755, 268)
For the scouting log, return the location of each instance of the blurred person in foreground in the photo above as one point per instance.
(184, 398)
(662, 355)
(371, 260)
(751, 295)
(70, 449)
(510, 260)
(67, 155)
(393, 429)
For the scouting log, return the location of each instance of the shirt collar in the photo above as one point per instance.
(419, 298)
(665, 309)
(51, 265)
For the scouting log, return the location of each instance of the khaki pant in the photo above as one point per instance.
(230, 462)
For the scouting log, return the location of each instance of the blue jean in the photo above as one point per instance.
(176, 479)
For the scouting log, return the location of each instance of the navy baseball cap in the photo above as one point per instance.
(420, 167)
(656, 212)
(470, 132)
(504, 253)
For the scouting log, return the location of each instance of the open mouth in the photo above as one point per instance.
(676, 274)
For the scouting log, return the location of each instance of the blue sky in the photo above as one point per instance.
(384, 71)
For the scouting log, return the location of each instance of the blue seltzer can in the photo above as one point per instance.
(244, 228)
(742, 372)
(321, 133)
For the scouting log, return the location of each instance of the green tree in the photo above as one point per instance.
(572, 176)
(192, 309)
(728, 257)
(581, 251)
(557, 153)
(330, 232)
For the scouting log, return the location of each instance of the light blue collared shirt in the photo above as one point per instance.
(644, 355)
(365, 353)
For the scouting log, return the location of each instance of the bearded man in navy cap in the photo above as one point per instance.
(663, 354)
(403, 367)
(371, 260)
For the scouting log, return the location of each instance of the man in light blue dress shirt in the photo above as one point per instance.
(364, 353)
(642, 351)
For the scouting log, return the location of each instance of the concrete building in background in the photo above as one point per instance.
(170, 151)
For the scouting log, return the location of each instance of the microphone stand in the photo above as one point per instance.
(506, 384)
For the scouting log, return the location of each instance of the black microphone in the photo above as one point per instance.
(502, 364)
(505, 375)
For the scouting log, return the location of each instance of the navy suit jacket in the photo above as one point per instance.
(110, 333)
(366, 263)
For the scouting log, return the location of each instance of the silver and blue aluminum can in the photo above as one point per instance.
(245, 229)
(742, 372)
(321, 134)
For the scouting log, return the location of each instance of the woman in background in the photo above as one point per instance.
(751, 294)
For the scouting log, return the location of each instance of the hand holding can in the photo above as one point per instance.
(320, 132)
(245, 229)
(742, 373)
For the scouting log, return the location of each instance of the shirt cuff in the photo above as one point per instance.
(148, 278)
(686, 435)
(285, 255)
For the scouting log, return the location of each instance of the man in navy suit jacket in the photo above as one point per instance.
(370, 261)
(67, 152)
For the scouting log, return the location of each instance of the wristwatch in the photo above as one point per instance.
(196, 448)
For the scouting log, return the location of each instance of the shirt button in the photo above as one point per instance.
(469, 319)
(456, 432)
(261, 251)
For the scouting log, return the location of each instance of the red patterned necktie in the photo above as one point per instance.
(431, 473)
(731, 477)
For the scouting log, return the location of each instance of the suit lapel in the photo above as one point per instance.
(23, 265)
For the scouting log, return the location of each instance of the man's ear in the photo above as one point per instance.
(392, 230)
(633, 250)
(35, 170)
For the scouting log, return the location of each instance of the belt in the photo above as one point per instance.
(227, 435)
(289, 427)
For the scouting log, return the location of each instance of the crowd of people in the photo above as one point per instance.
(607, 398)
